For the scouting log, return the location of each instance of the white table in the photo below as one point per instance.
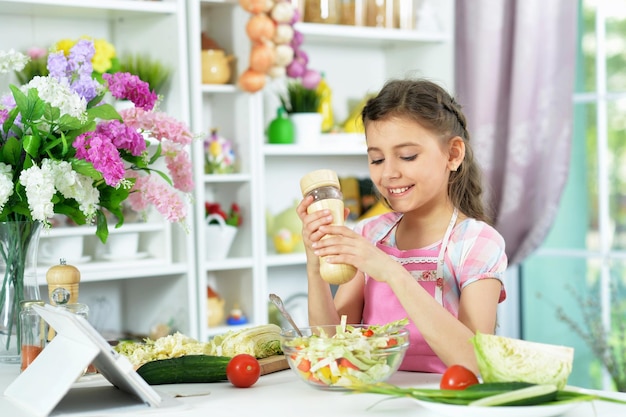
(279, 394)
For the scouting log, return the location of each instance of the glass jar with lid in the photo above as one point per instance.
(33, 332)
(322, 11)
(353, 12)
(380, 13)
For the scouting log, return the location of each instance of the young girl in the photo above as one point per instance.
(434, 258)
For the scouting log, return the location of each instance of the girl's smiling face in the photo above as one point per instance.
(408, 164)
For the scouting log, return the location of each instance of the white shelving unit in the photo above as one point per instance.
(236, 116)
(269, 178)
(131, 294)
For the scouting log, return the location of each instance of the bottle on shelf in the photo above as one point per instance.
(326, 104)
(325, 188)
(321, 11)
(63, 282)
(280, 130)
(380, 13)
(354, 12)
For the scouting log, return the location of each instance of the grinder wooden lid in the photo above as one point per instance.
(319, 178)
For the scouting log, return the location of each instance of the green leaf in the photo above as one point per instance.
(68, 122)
(163, 175)
(86, 168)
(12, 152)
(102, 228)
(157, 154)
(9, 123)
(31, 145)
(33, 109)
(21, 101)
(105, 112)
(94, 101)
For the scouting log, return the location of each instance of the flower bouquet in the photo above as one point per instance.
(64, 150)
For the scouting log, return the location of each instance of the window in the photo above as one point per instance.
(585, 252)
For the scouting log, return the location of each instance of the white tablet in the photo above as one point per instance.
(77, 344)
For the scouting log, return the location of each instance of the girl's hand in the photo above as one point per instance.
(312, 222)
(344, 246)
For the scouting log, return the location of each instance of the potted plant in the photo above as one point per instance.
(301, 101)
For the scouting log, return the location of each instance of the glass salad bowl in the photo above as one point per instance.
(340, 356)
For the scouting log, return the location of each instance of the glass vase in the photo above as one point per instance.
(19, 243)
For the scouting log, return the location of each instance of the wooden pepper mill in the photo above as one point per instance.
(63, 283)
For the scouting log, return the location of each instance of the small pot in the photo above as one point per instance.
(215, 66)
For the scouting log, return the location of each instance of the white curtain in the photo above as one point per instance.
(515, 62)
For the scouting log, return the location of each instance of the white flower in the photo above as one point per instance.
(74, 185)
(12, 61)
(39, 184)
(59, 95)
(6, 183)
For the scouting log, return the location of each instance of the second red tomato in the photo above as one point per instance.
(457, 377)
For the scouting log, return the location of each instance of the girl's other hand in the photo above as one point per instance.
(345, 246)
(311, 222)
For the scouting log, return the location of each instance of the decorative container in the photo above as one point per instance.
(219, 237)
(307, 127)
(215, 66)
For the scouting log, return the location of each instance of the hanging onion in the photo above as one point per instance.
(262, 57)
(251, 81)
(260, 27)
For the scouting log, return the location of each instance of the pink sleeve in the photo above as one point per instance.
(477, 251)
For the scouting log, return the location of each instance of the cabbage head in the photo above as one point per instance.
(505, 359)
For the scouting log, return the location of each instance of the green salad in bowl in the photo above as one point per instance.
(343, 355)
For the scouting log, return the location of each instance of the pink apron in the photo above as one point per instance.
(382, 306)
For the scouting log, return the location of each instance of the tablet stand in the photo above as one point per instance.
(49, 378)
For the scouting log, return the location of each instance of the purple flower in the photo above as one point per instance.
(125, 86)
(76, 70)
(57, 65)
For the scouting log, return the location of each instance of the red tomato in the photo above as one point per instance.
(243, 370)
(457, 377)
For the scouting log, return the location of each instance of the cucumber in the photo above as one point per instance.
(499, 386)
(185, 369)
(533, 395)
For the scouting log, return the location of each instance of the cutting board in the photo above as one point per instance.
(273, 364)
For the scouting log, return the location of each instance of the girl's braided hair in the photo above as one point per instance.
(432, 107)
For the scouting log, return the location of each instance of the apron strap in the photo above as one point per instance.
(442, 251)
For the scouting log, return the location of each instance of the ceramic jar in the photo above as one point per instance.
(215, 66)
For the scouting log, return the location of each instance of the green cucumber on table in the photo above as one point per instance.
(185, 369)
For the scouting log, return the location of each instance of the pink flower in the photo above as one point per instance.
(158, 124)
(179, 165)
(126, 86)
(97, 148)
(36, 52)
(151, 190)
